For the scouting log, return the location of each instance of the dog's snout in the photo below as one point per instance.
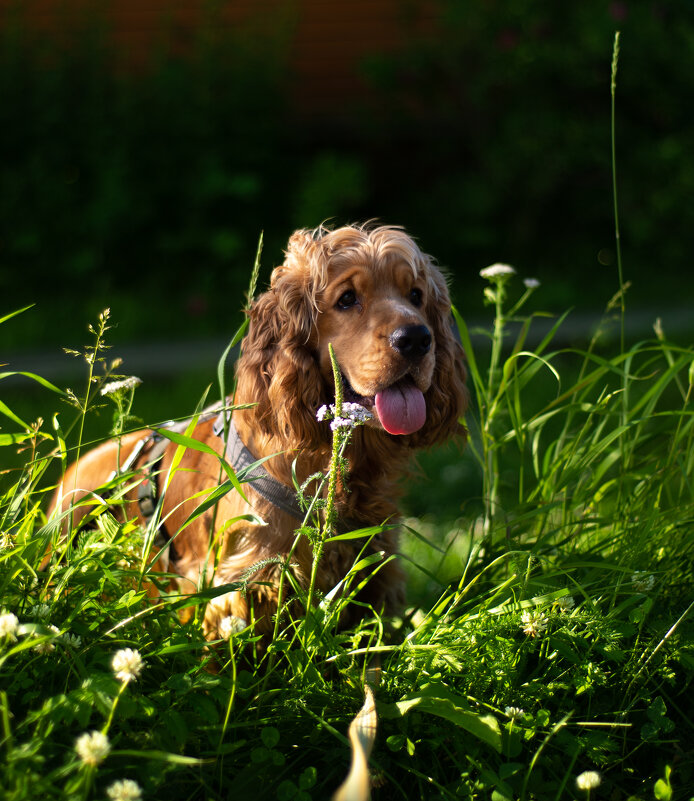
(411, 341)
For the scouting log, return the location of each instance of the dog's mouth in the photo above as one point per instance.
(400, 408)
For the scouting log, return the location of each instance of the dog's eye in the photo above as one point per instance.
(416, 297)
(347, 299)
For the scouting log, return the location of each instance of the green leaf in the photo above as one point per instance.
(5, 409)
(662, 790)
(174, 727)
(437, 700)
(469, 353)
(657, 709)
(14, 439)
(36, 378)
(286, 790)
(358, 534)
(259, 755)
(270, 736)
(395, 742)
(12, 314)
(308, 778)
(163, 756)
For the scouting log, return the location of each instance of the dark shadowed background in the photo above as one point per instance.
(145, 146)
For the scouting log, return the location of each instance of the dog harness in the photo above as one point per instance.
(240, 458)
(235, 453)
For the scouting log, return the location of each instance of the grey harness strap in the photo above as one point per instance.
(240, 458)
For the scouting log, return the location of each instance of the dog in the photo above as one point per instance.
(384, 306)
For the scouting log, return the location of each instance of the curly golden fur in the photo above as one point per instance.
(384, 306)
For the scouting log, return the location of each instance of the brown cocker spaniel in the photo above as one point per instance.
(384, 306)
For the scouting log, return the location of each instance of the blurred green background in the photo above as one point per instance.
(145, 147)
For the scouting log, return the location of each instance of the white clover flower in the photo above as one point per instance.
(534, 624)
(642, 581)
(497, 271)
(92, 747)
(40, 611)
(228, 626)
(514, 712)
(588, 780)
(113, 387)
(124, 790)
(127, 664)
(531, 283)
(47, 646)
(8, 626)
(565, 604)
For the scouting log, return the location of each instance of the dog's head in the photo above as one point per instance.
(384, 307)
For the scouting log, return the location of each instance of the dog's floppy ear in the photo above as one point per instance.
(447, 398)
(278, 365)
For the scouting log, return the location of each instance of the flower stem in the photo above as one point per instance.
(336, 456)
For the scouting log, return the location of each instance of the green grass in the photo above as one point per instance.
(550, 631)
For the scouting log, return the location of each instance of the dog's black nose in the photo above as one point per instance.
(411, 341)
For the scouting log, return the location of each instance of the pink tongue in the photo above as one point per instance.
(401, 409)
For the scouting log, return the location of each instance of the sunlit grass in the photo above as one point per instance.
(549, 633)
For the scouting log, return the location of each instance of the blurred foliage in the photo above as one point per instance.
(508, 120)
(489, 141)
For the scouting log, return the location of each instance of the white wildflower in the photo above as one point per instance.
(113, 387)
(8, 626)
(92, 747)
(642, 581)
(531, 283)
(124, 790)
(127, 664)
(341, 422)
(588, 780)
(228, 626)
(353, 414)
(514, 712)
(47, 646)
(565, 604)
(534, 624)
(497, 271)
(357, 412)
